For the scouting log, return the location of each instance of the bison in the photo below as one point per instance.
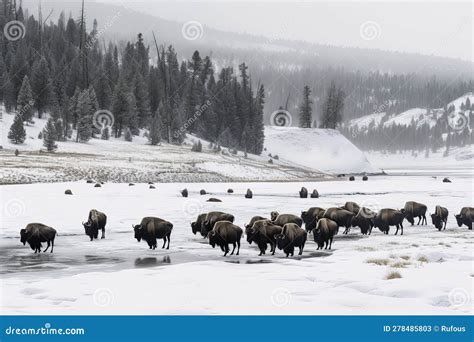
(303, 192)
(311, 216)
(95, 222)
(439, 217)
(184, 192)
(414, 209)
(341, 216)
(364, 220)
(466, 216)
(196, 225)
(249, 194)
(152, 228)
(389, 217)
(353, 207)
(282, 219)
(224, 233)
(253, 220)
(263, 232)
(213, 217)
(324, 233)
(35, 234)
(290, 237)
(315, 194)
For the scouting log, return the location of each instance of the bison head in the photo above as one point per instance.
(274, 215)
(436, 221)
(251, 233)
(88, 228)
(138, 232)
(24, 236)
(458, 219)
(212, 238)
(195, 227)
(281, 240)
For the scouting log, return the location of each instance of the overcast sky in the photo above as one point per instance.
(442, 28)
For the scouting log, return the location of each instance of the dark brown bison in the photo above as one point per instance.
(341, 216)
(315, 194)
(213, 217)
(262, 233)
(152, 228)
(311, 216)
(414, 209)
(224, 233)
(324, 233)
(95, 222)
(253, 220)
(203, 192)
(184, 192)
(353, 207)
(290, 237)
(439, 217)
(248, 194)
(364, 220)
(389, 217)
(466, 216)
(35, 234)
(196, 225)
(282, 219)
(303, 192)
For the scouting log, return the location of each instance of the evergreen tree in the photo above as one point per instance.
(305, 109)
(25, 101)
(49, 136)
(40, 84)
(17, 132)
(84, 125)
(121, 107)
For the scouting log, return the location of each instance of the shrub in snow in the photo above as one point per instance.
(40, 135)
(393, 275)
(17, 133)
(197, 146)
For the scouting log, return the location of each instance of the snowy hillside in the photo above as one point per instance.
(320, 149)
(121, 161)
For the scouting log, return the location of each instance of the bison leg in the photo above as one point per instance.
(49, 244)
(169, 235)
(226, 250)
(330, 243)
(398, 227)
(103, 233)
(52, 245)
(238, 247)
(233, 249)
(164, 242)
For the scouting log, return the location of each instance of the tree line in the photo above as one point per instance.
(64, 70)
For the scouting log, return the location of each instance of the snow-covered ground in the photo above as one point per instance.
(118, 275)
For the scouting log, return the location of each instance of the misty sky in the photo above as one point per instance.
(440, 28)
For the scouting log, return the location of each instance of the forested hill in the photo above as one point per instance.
(370, 78)
(87, 85)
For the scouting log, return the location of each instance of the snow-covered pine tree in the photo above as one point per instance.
(84, 125)
(40, 85)
(17, 132)
(49, 136)
(25, 101)
(305, 109)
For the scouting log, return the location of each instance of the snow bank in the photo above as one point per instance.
(326, 150)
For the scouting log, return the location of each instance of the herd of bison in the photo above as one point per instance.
(280, 230)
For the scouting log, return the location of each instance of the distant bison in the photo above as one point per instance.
(324, 233)
(151, 187)
(365, 178)
(203, 192)
(315, 194)
(414, 209)
(282, 219)
(439, 217)
(95, 222)
(212, 199)
(364, 220)
(341, 216)
(303, 192)
(68, 192)
(211, 219)
(466, 217)
(290, 237)
(389, 217)
(97, 185)
(263, 232)
(184, 192)
(35, 234)
(230, 191)
(352, 178)
(196, 225)
(248, 194)
(446, 180)
(152, 228)
(224, 233)
(311, 216)
(353, 207)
